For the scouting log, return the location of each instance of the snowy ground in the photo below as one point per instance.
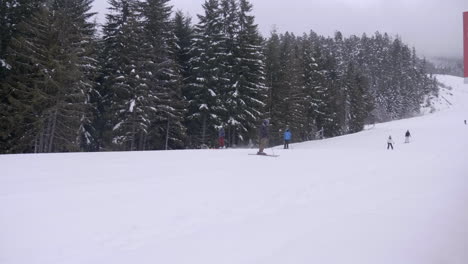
(341, 200)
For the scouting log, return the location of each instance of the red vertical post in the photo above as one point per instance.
(465, 42)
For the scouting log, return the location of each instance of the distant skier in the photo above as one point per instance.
(263, 137)
(287, 138)
(465, 121)
(221, 135)
(390, 142)
(407, 136)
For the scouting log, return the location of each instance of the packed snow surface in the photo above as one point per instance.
(340, 200)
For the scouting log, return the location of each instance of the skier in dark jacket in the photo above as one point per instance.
(287, 138)
(263, 137)
(390, 142)
(407, 136)
(221, 135)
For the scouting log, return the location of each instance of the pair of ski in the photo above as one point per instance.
(265, 155)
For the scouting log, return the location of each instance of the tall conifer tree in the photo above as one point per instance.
(161, 75)
(50, 81)
(247, 95)
(128, 98)
(209, 75)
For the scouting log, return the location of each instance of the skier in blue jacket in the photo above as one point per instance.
(287, 138)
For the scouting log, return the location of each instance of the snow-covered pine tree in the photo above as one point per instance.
(206, 107)
(411, 100)
(272, 53)
(341, 56)
(328, 66)
(383, 80)
(85, 44)
(296, 115)
(288, 102)
(427, 84)
(129, 102)
(284, 79)
(396, 80)
(27, 97)
(350, 48)
(183, 33)
(161, 75)
(48, 82)
(12, 13)
(182, 45)
(364, 62)
(314, 85)
(360, 104)
(231, 27)
(247, 94)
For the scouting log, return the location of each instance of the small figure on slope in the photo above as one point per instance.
(390, 142)
(287, 138)
(263, 137)
(221, 135)
(407, 136)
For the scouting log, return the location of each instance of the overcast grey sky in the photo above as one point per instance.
(434, 27)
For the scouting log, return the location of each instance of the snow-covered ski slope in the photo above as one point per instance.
(340, 200)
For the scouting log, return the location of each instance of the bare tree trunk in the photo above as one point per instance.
(52, 131)
(36, 142)
(145, 137)
(41, 141)
(79, 138)
(132, 141)
(203, 129)
(46, 134)
(167, 133)
(141, 139)
(228, 138)
(234, 138)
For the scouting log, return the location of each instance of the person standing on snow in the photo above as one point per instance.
(287, 138)
(221, 135)
(263, 137)
(407, 136)
(390, 142)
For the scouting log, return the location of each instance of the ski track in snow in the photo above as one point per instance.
(339, 200)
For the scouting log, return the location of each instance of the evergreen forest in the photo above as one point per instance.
(151, 79)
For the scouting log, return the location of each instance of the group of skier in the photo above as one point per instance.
(287, 136)
(264, 135)
(390, 141)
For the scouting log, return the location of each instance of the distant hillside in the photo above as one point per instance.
(449, 66)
